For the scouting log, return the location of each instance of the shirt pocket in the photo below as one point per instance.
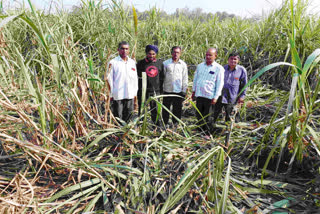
(234, 83)
(213, 77)
(132, 74)
(231, 78)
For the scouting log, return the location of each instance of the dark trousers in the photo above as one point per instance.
(176, 103)
(153, 107)
(218, 108)
(123, 108)
(203, 105)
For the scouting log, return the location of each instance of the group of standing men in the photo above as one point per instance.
(213, 84)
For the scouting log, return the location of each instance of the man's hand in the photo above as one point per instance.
(213, 101)
(193, 96)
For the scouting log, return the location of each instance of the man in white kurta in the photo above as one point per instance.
(123, 82)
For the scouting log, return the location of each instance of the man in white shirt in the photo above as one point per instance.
(123, 82)
(207, 86)
(175, 83)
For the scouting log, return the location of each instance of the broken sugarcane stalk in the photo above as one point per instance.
(3, 157)
(229, 130)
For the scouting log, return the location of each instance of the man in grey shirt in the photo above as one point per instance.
(175, 83)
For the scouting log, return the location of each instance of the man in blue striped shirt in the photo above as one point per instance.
(207, 86)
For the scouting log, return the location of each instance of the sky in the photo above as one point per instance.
(243, 8)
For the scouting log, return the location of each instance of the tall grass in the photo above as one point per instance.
(295, 130)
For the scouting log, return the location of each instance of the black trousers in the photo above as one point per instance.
(153, 106)
(203, 105)
(218, 108)
(176, 103)
(123, 108)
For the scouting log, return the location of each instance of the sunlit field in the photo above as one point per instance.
(62, 150)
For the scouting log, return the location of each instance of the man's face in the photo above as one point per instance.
(176, 53)
(211, 55)
(233, 61)
(151, 55)
(123, 51)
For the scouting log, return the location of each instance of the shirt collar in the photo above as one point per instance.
(151, 61)
(179, 61)
(210, 64)
(234, 68)
(122, 59)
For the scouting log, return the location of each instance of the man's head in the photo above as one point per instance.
(211, 55)
(233, 60)
(176, 53)
(123, 49)
(151, 52)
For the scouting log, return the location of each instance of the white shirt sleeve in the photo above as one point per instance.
(219, 83)
(184, 78)
(195, 79)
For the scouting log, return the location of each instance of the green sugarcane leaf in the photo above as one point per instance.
(118, 166)
(90, 63)
(283, 203)
(55, 63)
(75, 187)
(316, 138)
(8, 19)
(94, 80)
(99, 138)
(80, 194)
(224, 197)
(37, 31)
(262, 71)
(31, 6)
(295, 57)
(92, 202)
(311, 58)
(188, 179)
(27, 76)
(4, 76)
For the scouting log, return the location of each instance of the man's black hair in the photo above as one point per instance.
(234, 54)
(175, 47)
(123, 43)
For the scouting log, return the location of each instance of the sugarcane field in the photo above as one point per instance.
(106, 109)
